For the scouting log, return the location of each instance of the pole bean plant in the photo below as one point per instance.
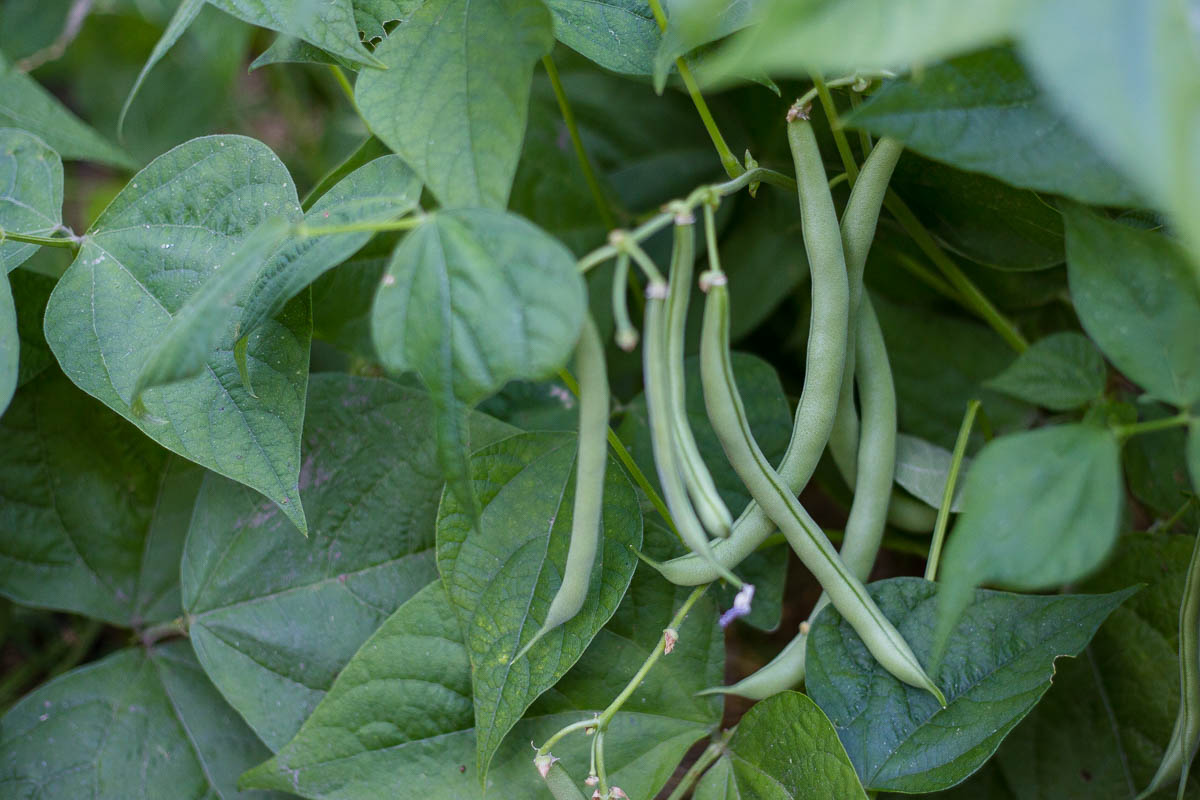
(599, 399)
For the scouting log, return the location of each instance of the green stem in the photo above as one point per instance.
(344, 82)
(582, 724)
(733, 167)
(943, 517)
(860, 80)
(166, 630)
(864, 136)
(835, 127)
(607, 714)
(47, 241)
(626, 459)
(585, 163)
(929, 278)
(407, 223)
(1173, 520)
(1123, 432)
(972, 297)
(714, 751)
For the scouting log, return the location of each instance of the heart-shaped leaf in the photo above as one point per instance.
(1061, 372)
(31, 193)
(1040, 509)
(154, 248)
(982, 113)
(142, 724)
(1139, 300)
(502, 572)
(619, 35)
(999, 662)
(477, 59)
(786, 748)
(274, 617)
(329, 25)
(94, 515)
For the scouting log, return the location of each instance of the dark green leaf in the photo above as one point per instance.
(330, 25)
(693, 23)
(410, 685)
(983, 114)
(1061, 372)
(1194, 456)
(10, 344)
(26, 105)
(1156, 468)
(1139, 300)
(620, 35)
(185, 14)
(1127, 73)
(785, 748)
(30, 292)
(1000, 661)
(148, 253)
(274, 616)
(940, 363)
(922, 469)
(763, 254)
(502, 572)
(94, 515)
(477, 61)
(138, 725)
(342, 300)
(795, 36)
(771, 421)
(1040, 509)
(31, 193)
(379, 191)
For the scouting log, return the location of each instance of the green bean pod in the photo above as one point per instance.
(845, 591)
(705, 498)
(662, 437)
(1185, 738)
(825, 360)
(591, 460)
(560, 784)
(868, 512)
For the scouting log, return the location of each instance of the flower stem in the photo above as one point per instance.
(943, 517)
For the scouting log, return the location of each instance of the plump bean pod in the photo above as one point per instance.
(1185, 738)
(662, 439)
(590, 463)
(560, 784)
(825, 360)
(868, 512)
(765, 485)
(707, 501)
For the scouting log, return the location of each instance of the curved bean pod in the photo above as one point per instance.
(591, 460)
(662, 438)
(825, 359)
(1185, 738)
(845, 591)
(707, 501)
(560, 784)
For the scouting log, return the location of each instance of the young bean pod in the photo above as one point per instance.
(826, 357)
(626, 335)
(560, 784)
(868, 512)
(1185, 738)
(707, 501)
(845, 591)
(590, 463)
(662, 438)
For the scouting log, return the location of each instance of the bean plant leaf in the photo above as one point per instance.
(922, 468)
(329, 25)
(477, 59)
(1101, 729)
(1060, 372)
(31, 193)
(10, 344)
(1040, 509)
(94, 515)
(1139, 301)
(26, 105)
(795, 36)
(999, 662)
(693, 23)
(137, 725)
(273, 617)
(381, 190)
(472, 299)
(982, 113)
(154, 248)
(771, 422)
(786, 748)
(502, 573)
(1156, 469)
(619, 35)
(30, 292)
(1142, 59)
(410, 685)
(1194, 456)
(185, 14)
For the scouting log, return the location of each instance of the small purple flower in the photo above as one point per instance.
(741, 605)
